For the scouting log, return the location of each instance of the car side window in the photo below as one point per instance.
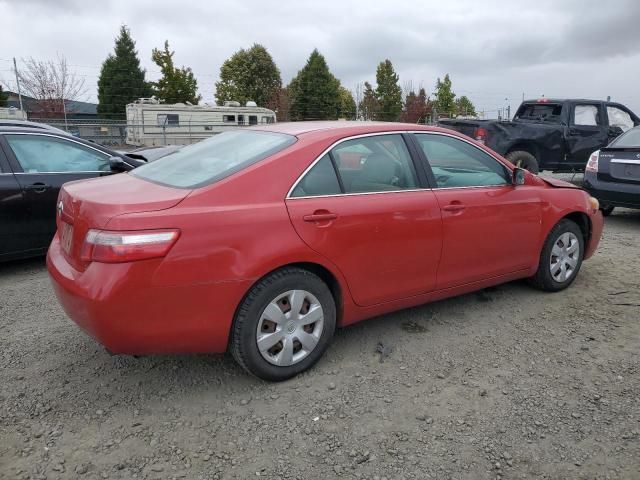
(320, 180)
(619, 118)
(46, 154)
(374, 164)
(586, 115)
(456, 163)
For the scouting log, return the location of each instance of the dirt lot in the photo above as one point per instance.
(506, 383)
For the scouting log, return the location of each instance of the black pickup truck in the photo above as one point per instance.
(548, 134)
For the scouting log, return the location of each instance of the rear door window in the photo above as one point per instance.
(586, 115)
(212, 159)
(320, 180)
(375, 164)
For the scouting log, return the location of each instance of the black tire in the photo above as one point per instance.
(243, 342)
(524, 160)
(543, 279)
(606, 210)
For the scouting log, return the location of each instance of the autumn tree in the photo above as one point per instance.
(51, 83)
(121, 80)
(416, 107)
(177, 85)
(314, 91)
(465, 107)
(444, 97)
(388, 92)
(250, 75)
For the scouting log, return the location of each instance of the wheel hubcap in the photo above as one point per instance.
(289, 328)
(564, 257)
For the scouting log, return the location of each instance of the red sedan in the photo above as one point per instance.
(263, 240)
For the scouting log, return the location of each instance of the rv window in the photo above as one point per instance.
(229, 118)
(240, 119)
(266, 120)
(170, 119)
(253, 119)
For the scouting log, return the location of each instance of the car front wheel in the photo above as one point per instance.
(284, 324)
(561, 257)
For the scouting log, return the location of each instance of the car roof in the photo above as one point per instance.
(9, 123)
(347, 127)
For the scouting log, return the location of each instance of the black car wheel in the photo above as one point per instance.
(284, 324)
(607, 210)
(524, 160)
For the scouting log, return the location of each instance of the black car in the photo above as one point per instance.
(34, 163)
(612, 174)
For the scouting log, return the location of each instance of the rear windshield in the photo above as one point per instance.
(545, 112)
(213, 159)
(629, 139)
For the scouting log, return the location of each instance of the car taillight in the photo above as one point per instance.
(592, 164)
(480, 134)
(115, 247)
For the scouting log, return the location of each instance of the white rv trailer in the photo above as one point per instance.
(151, 123)
(13, 113)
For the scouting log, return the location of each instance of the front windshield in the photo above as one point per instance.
(213, 159)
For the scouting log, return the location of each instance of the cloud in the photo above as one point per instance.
(494, 50)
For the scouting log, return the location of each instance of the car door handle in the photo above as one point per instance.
(320, 217)
(38, 187)
(454, 207)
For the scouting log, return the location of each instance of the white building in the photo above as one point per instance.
(13, 113)
(151, 123)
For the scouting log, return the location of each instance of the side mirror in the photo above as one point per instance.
(518, 176)
(615, 131)
(117, 164)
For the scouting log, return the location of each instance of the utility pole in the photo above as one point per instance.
(15, 69)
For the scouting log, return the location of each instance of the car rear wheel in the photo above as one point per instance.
(524, 160)
(561, 257)
(607, 210)
(283, 325)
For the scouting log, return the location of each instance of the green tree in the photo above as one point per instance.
(177, 85)
(314, 91)
(388, 92)
(3, 97)
(249, 75)
(121, 79)
(445, 98)
(465, 107)
(347, 104)
(368, 106)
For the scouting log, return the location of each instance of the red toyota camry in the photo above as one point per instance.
(263, 240)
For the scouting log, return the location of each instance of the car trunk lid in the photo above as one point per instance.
(91, 204)
(621, 165)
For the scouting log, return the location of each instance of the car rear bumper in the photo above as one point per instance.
(614, 194)
(120, 306)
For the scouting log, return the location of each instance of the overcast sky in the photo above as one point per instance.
(494, 50)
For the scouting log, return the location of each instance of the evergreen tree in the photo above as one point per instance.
(445, 98)
(314, 91)
(388, 92)
(464, 107)
(347, 104)
(121, 78)
(249, 75)
(369, 104)
(177, 85)
(3, 97)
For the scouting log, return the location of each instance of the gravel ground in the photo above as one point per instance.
(506, 383)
